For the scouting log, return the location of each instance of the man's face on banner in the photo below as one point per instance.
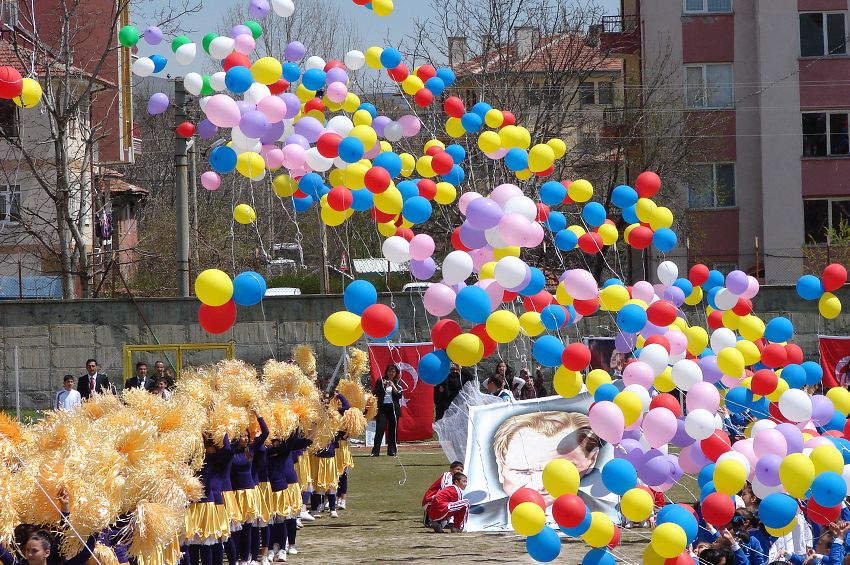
(529, 451)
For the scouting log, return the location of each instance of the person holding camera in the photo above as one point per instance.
(388, 393)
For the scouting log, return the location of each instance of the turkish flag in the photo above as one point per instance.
(417, 401)
(835, 360)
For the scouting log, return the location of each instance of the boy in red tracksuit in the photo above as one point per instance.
(442, 482)
(449, 505)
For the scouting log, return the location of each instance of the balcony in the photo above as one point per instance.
(621, 34)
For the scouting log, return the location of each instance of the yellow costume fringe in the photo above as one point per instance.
(206, 523)
(343, 458)
(305, 474)
(325, 477)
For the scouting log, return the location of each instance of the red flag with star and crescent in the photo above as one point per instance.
(417, 401)
(835, 360)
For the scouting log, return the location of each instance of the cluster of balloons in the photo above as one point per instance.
(380, 7)
(363, 315)
(219, 296)
(810, 287)
(25, 92)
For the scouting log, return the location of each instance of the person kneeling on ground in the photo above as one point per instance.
(442, 482)
(449, 505)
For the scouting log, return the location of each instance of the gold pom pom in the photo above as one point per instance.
(353, 392)
(283, 379)
(153, 525)
(353, 422)
(371, 407)
(306, 359)
(358, 363)
(103, 555)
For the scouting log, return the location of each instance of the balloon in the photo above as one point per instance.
(560, 477)
(834, 276)
(795, 405)
(222, 111)
(473, 304)
(343, 328)
(525, 494)
(778, 330)
(718, 509)
(244, 214)
(601, 530)
(699, 424)
(547, 351)
(396, 249)
(809, 287)
(668, 539)
(729, 477)
(631, 318)
(606, 419)
(829, 489)
(777, 510)
(11, 83)
(659, 426)
(157, 104)
(466, 349)
(796, 473)
(213, 287)
(248, 288)
(619, 476)
(439, 300)
(128, 36)
(528, 519)
(569, 510)
(829, 306)
(378, 321)
(457, 267)
(217, 319)
(637, 504)
(545, 546)
(359, 295)
(503, 326)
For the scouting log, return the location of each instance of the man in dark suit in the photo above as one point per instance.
(92, 381)
(141, 378)
(388, 393)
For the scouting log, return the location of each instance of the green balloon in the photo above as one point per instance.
(179, 42)
(207, 40)
(207, 89)
(256, 28)
(128, 36)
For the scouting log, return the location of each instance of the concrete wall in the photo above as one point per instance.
(55, 338)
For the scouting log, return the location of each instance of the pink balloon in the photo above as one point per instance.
(659, 426)
(606, 420)
(816, 441)
(638, 373)
(465, 199)
(374, 151)
(410, 125)
(730, 382)
(514, 229)
(494, 291)
(770, 441)
(480, 256)
(497, 154)
(222, 111)
(294, 156)
(687, 463)
(421, 247)
(439, 300)
(752, 288)
(745, 448)
(274, 158)
(244, 43)
(504, 192)
(643, 290)
(535, 236)
(336, 92)
(703, 395)
(678, 342)
(664, 487)
(273, 108)
(580, 284)
(210, 180)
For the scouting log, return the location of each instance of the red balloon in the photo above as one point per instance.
(427, 188)
(660, 340)
(615, 539)
(640, 237)
(378, 321)
(794, 353)
(546, 172)
(586, 307)
(382, 217)
(340, 198)
(186, 129)
(822, 515)
(647, 184)
(509, 296)
(11, 83)
(743, 307)
(425, 72)
(662, 313)
(508, 118)
(543, 212)
(279, 87)
(236, 59)
(526, 494)
(718, 509)
(314, 104)
(335, 64)
(569, 510)
(834, 276)
(217, 319)
(423, 97)
(668, 401)
(489, 345)
(774, 355)
(715, 320)
(698, 274)
(377, 179)
(328, 145)
(590, 242)
(433, 150)
(454, 107)
(764, 382)
(456, 242)
(399, 73)
(776, 415)
(576, 356)
(715, 445)
(406, 233)
(538, 302)
(443, 332)
(683, 558)
(442, 163)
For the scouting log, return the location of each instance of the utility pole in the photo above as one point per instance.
(324, 280)
(181, 183)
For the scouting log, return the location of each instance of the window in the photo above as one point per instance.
(825, 134)
(725, 268)
(606, 93)
(587, 93)
(823, 216)
(708, 6)
(10, 203)
(709, 86)
(8, 119)
(822, 34)
(714, 186)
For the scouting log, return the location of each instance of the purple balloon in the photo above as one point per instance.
(336, 74)
(259, 9)
(471, 237)
(244, 107)
(240, 29)
(625, 342)
(484, 213)
(157, 104)
(793, 437)
(676, 471)
(254, 124)
(379, 123)
(822, 409)
(698, 457)
(310, 128)
(152, 35)
(456, 287)
(296, 139)
(294, 51)
(710, 372)
(681, 439)
(737, 282)
(207, 129)
(634, 433)
(423, 270)
(293, 105)
(272, 133)
(650, 330)
(654, 469)
(674, 294)
(767, 470)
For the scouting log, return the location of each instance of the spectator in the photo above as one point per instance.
(504, 372)
(140, 379)
(93, 382)
(160, 389)
(389, 394)
(618, 364)
(539, 386)
(496, 387)
(447, 391)
(67, 398)
(527, 391)
(161, 373)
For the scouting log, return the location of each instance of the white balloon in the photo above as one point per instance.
(675, 357)
(396, 249)
(721, 338)
(257, 92)
(185, 54)
(317, 161)
(354, 60)
(699, 424)
(241, 139)
(795, 405)
(341, 125)
(246, 148)
(510, 271)
(761, 490)
(656, 357)
(221, 47)
(457, 266)
(283, 8)
(686, 373)
(202, 102)
(845, 474)
(314, 62)
(739, 457)
(725, 299)
(217, 81)
(752, 289)
(494, 238)
(668, 272)
(143, 67)
(289, 129)
(642, 393)
(393, 131)
(504, 192)
(522, 205)
(760, 425)
(194, 83)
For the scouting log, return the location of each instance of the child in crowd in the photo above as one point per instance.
(450, 506)
(442, 482)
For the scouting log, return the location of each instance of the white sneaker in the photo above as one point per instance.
(334, 514)
(340, 504)
(252, 562)
(265, 561)
(298, 524)
(273, 552)
(280, 555)
(306, 516)
(293, 550)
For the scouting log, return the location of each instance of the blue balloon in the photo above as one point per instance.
(777, 510)
(611, 282)
(685, 285)
(705, 475)
(710, 296)
(795, 375)
(547, 350)
(238, 79)
(351, 149)
(302, 204)
(408, 189)
(516, 159)
(630, 215)
(457, 152)
(809, 287)
(624, 196)
(738, 399)
(447, 75)
(456, 176)
(435, 85)
(566, 240)
(573, 315)
(664, 239)
(223, 159)
(471, 122)
(598, 556)
(552, 193)
(363, 200)
(545, 546)
(843, 446)
(159, 62)
(389, 161)
(434, 367)
(583, 526)
(619, 475)
(291, 72)
(358, 296)
(631, 318)
(779, 329)
(311, 184)
(390, 58)
(248, 288)
(814, 372)
(678, 515)
(715, 279)
(536, 283)
(556, 221)
(553, 317)
(481, 109)
(417, 210)
(313, 79)
(369, 108)
(605, 391)
(837, 422)
(473, 304)
(594, 214)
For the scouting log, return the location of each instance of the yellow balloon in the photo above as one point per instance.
(455, 128)
(446, 193)
(781, 386)
(528, 519)
(267, 70)
(250, 165)
(695, 297)
(365, 134)
(631, 406)
(489, 141)
(784, 531)
(558, 146)
(751, 327)
(637, 505)
(729, 476)
(664, 381)
(578, 230)
(382, 7)
(244, 214)
(530, 324)
(502, 326)
(601, 530)
(343, 328)
(408, 164)
(213, 287)
(361, 118)
(540, 158)
(433, 143)
(730, 320)
(423, 166)
(412, 84)
(697, 339)
(351, 102)
(526, 137)
(668, 539)
(609, 235)
(662, 217)
(284, 185)
(331, 217)
(580, 190)
(466, 350)
(560, 476)
(389, 201)
(562, 296)
(644, 209)
(524, 174)
(748, 349)
(840, 398)
(567, 383)
(597, 378)
(387, 229)
(373, 57)
(487, 271)
(650, 557)
(509, 251)
(796, 472)
(337, 177)
(511, 137)
(827, 458)
(730, 361)
(494, 118)
(829, 306)
(304, 94)
(613, 297)
(30, 94)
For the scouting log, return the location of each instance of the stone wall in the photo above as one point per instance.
(56, 337)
